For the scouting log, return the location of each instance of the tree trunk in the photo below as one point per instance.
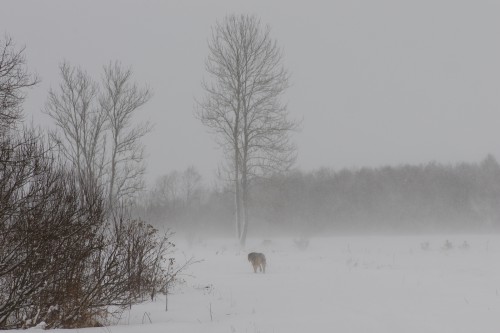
(237, 201)
(111, 196)
(244, 206)
(237, 188)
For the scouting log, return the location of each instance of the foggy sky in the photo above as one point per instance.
(375, 82)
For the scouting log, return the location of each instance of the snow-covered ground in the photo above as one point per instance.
(338, 284)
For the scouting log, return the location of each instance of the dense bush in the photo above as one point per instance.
(63, 260)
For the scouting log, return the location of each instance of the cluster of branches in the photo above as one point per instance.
(14, 79)
(63, 259)
(95, 130)
(243, 108)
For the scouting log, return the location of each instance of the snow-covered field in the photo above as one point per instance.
(338, 284)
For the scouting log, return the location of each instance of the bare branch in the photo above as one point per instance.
(14, 79)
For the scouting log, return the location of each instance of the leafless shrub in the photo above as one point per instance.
(301, 243)
(45, 230)
(447, 245)
(146, 252)
(464, 246)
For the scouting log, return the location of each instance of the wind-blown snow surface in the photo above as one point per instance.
(338, 284)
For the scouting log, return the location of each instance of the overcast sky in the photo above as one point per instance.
(375, 82)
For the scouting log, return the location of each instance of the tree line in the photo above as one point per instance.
(407, 198)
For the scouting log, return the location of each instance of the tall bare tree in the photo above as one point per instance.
(75, 109)
(14, 78)
(96, 131)
(243, 106)
(119, 101)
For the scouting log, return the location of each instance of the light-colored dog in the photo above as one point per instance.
(258, 260)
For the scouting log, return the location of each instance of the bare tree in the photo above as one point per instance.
(96, 131)
(14, 78)
(243, 107)
(191, 186)
(167, 190)
(74, 108)
(119, 101)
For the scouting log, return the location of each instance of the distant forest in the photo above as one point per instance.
(408, 198)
